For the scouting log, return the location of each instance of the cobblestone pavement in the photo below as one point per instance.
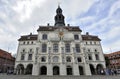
(57, 77)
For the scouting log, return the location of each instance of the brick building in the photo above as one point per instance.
(114, 60)
(6, 61)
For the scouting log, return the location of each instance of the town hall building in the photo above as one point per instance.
(59, 50)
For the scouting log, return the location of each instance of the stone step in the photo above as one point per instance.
(57, 77)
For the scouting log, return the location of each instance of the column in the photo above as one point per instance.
(62, 69)
(49, 69)
(35, 70)
(87, 69)
(75, 69)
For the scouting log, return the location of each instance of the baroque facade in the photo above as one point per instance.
(59, 50)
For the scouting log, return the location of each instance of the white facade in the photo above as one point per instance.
(59, 51)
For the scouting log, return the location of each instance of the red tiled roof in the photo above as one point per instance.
(28, 37)
(113, 53)
(6, 55)
(52, 28)
(90, 38)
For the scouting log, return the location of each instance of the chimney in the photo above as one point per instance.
(30, 33)
(68, 25)
(48, 24)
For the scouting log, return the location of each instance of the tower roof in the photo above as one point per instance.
(59, 18)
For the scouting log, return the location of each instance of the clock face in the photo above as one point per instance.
(61, 33)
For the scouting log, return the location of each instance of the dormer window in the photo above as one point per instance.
(44, 37)
(76, 37)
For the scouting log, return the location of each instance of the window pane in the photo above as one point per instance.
(30, 57)
(22, 56)
(96, 56)
(67, 47)
(68, 59)
(43, 59)
(76, 37)
(77, 46)
(79, 59)
(44, 36)
(55, 47)
(44, 48)
(90, 56)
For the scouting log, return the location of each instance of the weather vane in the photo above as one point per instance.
(59, 2)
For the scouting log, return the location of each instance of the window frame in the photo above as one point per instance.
(44, 36)
(76, 37)
(44, 48)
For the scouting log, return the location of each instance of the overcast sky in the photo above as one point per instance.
(98, 17)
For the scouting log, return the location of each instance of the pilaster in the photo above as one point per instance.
(35, 70)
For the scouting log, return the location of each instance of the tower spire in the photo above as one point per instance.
(59, 18)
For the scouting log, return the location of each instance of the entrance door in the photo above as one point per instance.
(56, 70)
(43, 70)
(69, 70)
(81, 71)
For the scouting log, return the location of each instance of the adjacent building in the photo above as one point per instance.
(59, 50)
(114, 60)
(6, 61)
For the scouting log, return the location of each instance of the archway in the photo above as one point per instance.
(43, 70)
(29, 69)
(20, 69)
(55, 70)
(81, 70)
(99, 68)
(69, 70)
(92, 69)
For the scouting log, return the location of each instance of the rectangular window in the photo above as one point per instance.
(30, 50)
(67, 47)
(90, 56)
(30, 57)
(44, 37)
(55, 47)
(96, 56)
(22, 56)
(77, 46)
(76, 37)
(44, 48)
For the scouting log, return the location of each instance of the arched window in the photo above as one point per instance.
(44, 48)
(55, 59)
(68, 59)
(44, 37)
(67, 47)
(43, 59)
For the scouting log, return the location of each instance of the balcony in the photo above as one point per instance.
(55, 39)
(68, 39)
